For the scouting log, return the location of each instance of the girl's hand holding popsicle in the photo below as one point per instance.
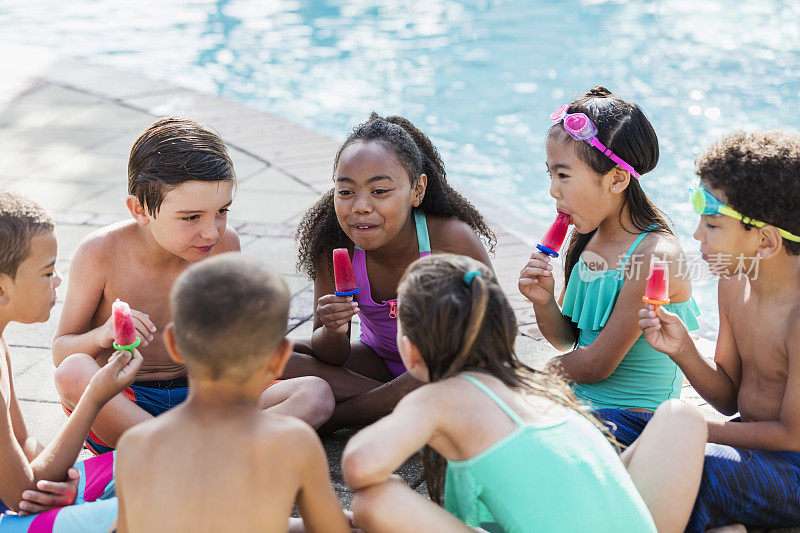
(536, 281)
(336, 310)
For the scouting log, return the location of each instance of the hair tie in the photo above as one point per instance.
(469, 276)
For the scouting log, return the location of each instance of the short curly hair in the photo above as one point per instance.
(230, 314)
(759, 174)
(21, 219)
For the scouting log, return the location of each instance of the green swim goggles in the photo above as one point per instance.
(705, 203)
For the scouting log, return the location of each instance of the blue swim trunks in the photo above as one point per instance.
(757, 488)
(155, 397)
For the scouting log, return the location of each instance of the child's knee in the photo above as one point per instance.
(318, 396)
(73, 375)
(684, 417)
(368, 505)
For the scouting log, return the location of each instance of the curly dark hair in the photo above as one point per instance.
(319, 232)
(21, 219)
(759, 173)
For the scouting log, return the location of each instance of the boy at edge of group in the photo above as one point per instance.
(28, 283)
(180, 184)
(230, 315)
(749, 233)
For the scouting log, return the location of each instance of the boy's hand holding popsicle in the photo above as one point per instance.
(663, 330)
(536, 280)
(336, 310)
(120, 370)
(117, 375)
(144, 328)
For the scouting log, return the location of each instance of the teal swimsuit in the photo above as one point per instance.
(645, 377)
(552, 477)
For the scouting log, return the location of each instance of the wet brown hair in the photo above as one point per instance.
(172, 151)
(230, 312)
(459, 327)
(759, 173)
(319, 231)
(21, 219)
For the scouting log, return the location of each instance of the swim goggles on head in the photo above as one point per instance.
(581, 128)
(705, 203)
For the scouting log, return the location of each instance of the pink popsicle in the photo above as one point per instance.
(343, 273)
(657, 292)
(554, 238)
(124, 331)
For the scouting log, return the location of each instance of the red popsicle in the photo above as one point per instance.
(657, 292)
(343, 273)
(124, 331)
(554, 238)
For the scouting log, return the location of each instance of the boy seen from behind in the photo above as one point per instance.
(230, 315)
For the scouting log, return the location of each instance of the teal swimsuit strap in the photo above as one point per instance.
(636, 244)
(423, 239)
(491, 394)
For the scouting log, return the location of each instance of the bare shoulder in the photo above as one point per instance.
(141, 434)
(452, 235)
(132, 445)
(667, 248)
(663, 245)
(442, 394)
(229, 242)
(102, 243)
(283, 428)
(729, 291)
(294, 440)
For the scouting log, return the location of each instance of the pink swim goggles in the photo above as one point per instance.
(581, 128)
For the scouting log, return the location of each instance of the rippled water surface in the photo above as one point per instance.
(480, 76)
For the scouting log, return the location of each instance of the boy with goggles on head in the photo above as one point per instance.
(748, 199)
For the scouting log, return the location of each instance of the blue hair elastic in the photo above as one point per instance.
(469, 276)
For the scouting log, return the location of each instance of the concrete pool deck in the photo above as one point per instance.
(66, 128)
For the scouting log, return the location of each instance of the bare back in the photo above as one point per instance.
(471, 422)
(233, 470)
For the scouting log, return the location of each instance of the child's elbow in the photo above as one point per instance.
(58, 351)
(595, 371)
(792, 440)
(360, 469)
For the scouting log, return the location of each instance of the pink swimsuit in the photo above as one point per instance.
(379, 320)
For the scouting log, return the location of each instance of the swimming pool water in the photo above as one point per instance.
(480, 76)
